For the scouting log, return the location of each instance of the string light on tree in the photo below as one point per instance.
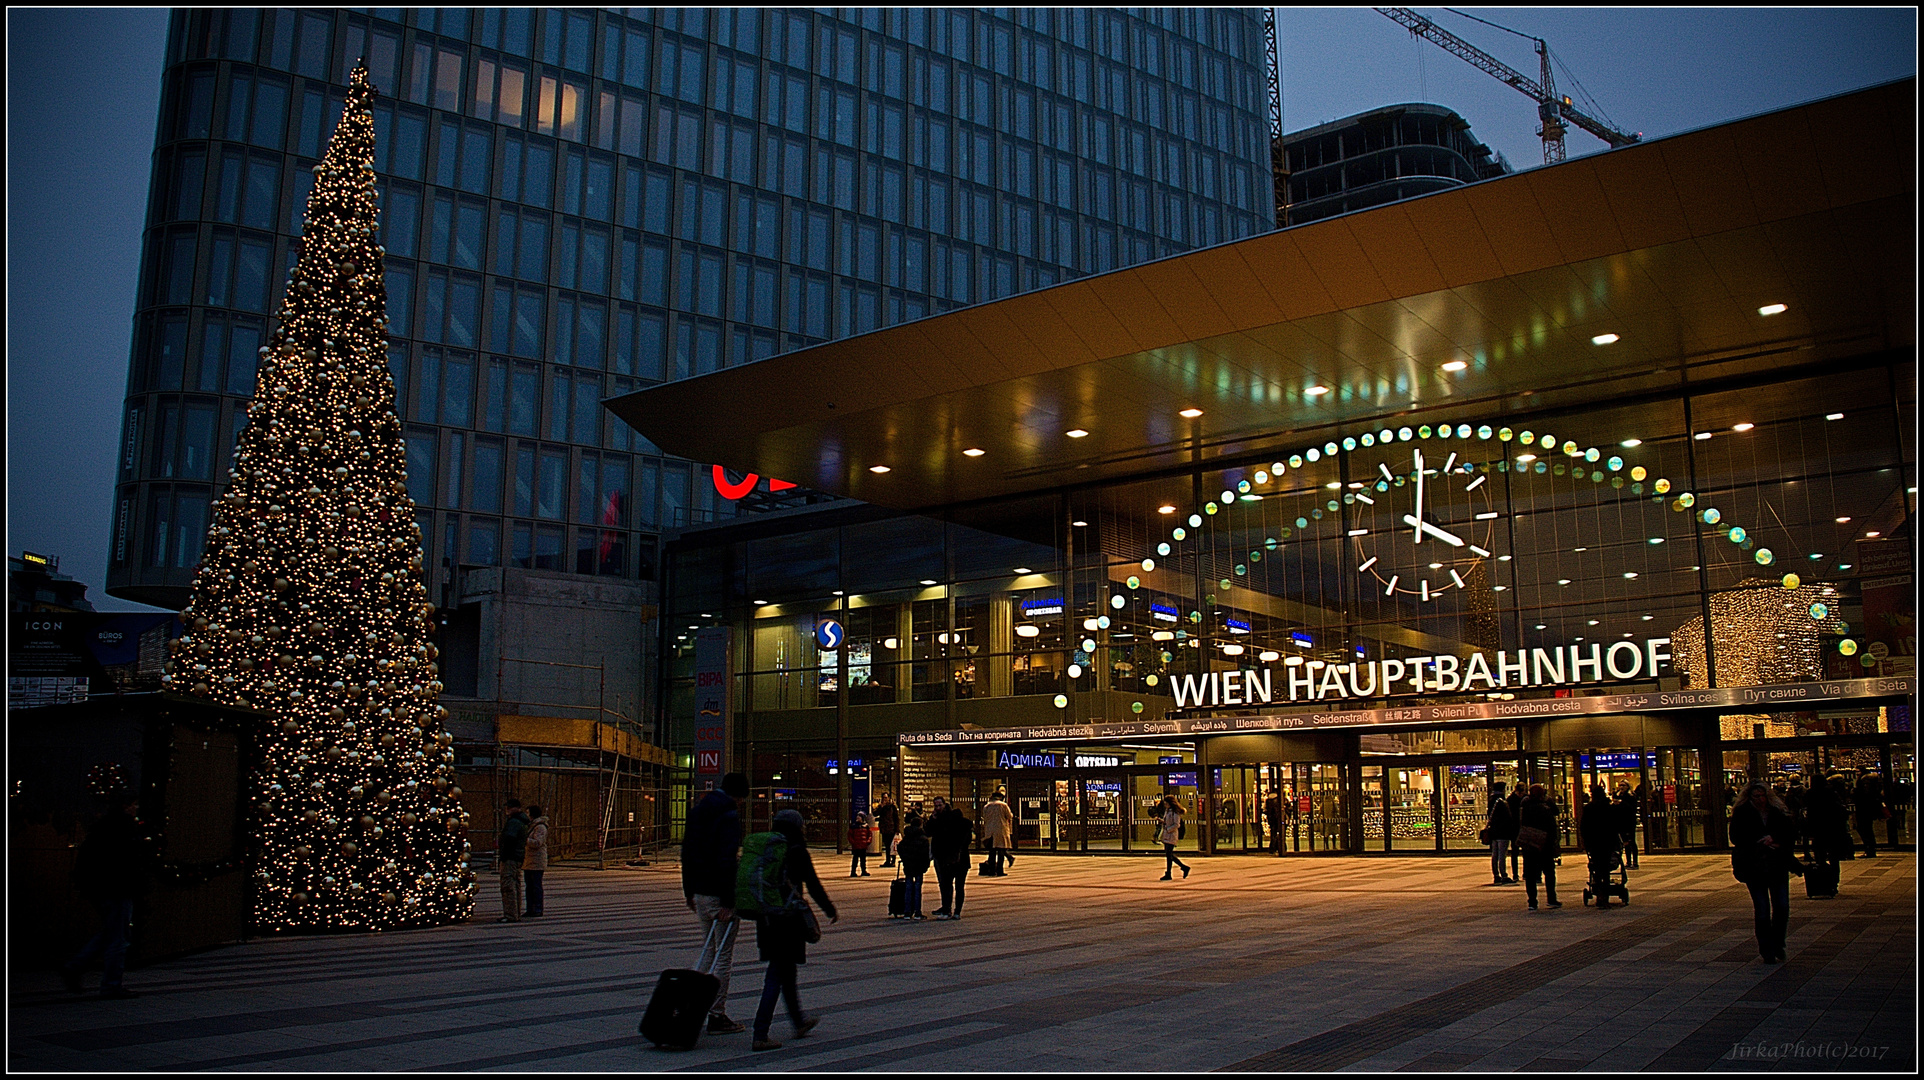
(308, 604)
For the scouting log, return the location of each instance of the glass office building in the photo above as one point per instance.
(582, 203)
(1349, 522)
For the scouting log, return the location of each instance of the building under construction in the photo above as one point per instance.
(1381, 156)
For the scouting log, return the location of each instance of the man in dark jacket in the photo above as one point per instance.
(110, 869)
(1516, 822)
(1502, 825)
(1537, 835)
(1762, 838)
(888, 819)
(1628, 815)
(513, 855)
(1273, 816)
(914, 851)
(949, 836)
(710, 849)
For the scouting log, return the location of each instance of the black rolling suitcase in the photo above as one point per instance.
(678, 1011)
(1820, 880)
(898, 894)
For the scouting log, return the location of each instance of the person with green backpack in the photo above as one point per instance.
(775, 871)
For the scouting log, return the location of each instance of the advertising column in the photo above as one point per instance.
(1890, 611)
(714, 704)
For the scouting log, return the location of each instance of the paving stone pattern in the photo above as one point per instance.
(1068, 964)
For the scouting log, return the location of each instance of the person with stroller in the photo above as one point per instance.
(1601, 842)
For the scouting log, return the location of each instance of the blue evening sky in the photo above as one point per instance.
(83, 97)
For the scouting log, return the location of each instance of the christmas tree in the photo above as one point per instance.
(308, 604)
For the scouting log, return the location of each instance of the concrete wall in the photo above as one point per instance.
(568, 624)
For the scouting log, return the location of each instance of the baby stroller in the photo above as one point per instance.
(1600, 886)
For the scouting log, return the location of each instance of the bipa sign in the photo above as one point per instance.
(730, 490)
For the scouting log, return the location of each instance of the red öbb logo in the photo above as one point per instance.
(735, 491)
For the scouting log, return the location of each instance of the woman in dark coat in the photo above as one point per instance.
(1762, 839)
(780, 939)
(1540, 845)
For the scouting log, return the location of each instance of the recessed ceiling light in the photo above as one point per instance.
(1843, 566)
(1075, 433)
(1563, 581)
(974, 451)
(1630, 575)
(1526, 458)
(1772, 309)
(1647, 618)
(1023, 570)
(1580, 549)
(1834, 416)
(1190, 413)
(1656, 539)
(760, 603)
(928, 581)
(837, 592)
(1334, 485)
(1317, 391)
(1541, 626)
(1816, 556)
(1593, 622)
(1603, 339)
(878, 468)
(1079, 524)
(1165, 509)
(1456, 365)
(1702, 436)
(1746, 426)
(1873, 533)
(1499, 588)
(1631, 442)
(1842, 520)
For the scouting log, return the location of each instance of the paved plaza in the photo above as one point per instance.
(1068, 964)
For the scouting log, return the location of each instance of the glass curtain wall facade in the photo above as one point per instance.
(580, 203)
(1577, 552)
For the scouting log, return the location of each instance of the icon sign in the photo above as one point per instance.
(828, 633)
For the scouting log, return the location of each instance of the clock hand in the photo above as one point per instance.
(1425, 527)
(1417, 517)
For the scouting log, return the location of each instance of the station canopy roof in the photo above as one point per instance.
(1343, 325)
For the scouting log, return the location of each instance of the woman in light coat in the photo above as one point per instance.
(537, 863)
(998, 826)
(1171, 834)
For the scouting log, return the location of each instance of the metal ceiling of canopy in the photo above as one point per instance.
(1672, 245)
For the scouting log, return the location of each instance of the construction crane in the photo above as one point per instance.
(1552, 110)
(1278, 161)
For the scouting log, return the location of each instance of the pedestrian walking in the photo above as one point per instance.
(998, 827)
(1868, 802)
(782, 935)
(888, 819)
(110, 869)
(1627, 818)
(949, 834)
(1516, 822)
(1762, 839)
(511, 854)
(1171, 834)
(1601, 842)
(536, 864)
(1273, 817)
(859, 835)
(914, 853)
(710, 854)
(1501, 828)
(1537, 837)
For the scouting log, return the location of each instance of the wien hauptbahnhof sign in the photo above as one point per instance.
(1778, 697)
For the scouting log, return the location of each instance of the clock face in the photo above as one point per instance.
(1423, 524)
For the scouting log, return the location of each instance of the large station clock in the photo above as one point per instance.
(1421, 526)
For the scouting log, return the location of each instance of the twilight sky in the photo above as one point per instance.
(83, 98)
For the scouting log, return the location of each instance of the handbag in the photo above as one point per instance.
(805, 924)
(1531, 838)
(1484, 836)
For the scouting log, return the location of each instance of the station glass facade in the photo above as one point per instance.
(580, 203)
(1563, 554)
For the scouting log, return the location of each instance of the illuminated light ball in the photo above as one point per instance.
(1225, 583)
(1209, 508)
(1737, 534)
(1075, 671)
(1135, 706)
(1764, 557)
(1423, 432)
(1241, 570)
(1134, 581)
(1843, 627)
(1661, 487)
(1255, 556)
(1687, 499)
(1712, 515)
(1162, 549)
(1820, 611)
(1639, 472)
(1242, 486)
(1150, 564)
(1302, 523)
(1102, 623)
(1196, 616)
(1270, 544)
(1504, 434)
(1152, 680)
(1195, 522)
(1792, 581)
(1116, 602)
(1089, 645)
(1484, 432)
(1179, 533)
(1848, 647)
(1062, 701)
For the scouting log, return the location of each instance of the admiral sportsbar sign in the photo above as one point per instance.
(1780, 696)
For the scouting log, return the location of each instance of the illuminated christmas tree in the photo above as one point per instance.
(309, 606)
